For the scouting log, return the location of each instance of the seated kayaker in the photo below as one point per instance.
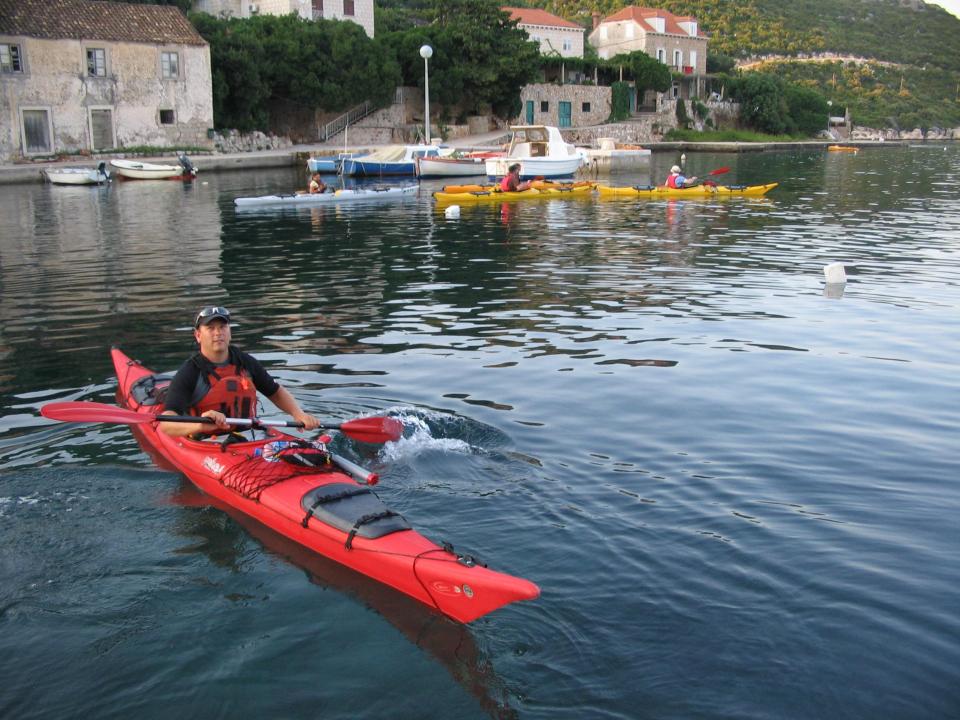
(316, 184)
(511, 181)
(222, 381)
(677, 181)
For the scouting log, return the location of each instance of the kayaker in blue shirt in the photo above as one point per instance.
(221, 381)
(677, 181)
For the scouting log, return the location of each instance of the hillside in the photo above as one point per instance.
(916, 84)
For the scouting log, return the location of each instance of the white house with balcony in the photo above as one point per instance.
(553, 34)
(95, 75)
(676, 41)
(357, 11)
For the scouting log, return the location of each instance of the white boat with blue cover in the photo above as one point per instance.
(389, 160)
(327, 163)
(311, 199)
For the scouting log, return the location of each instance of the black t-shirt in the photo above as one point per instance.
(191, 382)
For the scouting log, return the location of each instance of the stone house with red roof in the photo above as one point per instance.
(564, 103)
(555, 35)
(674, 40)
(89, 75)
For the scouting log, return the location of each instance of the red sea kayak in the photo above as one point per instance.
(322, 509)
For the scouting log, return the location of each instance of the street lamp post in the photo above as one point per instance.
(426, 52)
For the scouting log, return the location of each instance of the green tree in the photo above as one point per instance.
(647, 72)
(480, 60)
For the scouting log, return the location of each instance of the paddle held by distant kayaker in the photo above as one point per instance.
(222, 381)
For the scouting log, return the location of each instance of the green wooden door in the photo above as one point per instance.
(566, 114)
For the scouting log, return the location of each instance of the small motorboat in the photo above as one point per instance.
(78, 176)
(541, 151)
(135, 170)
(429, 167)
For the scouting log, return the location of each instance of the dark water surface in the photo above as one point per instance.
(737, 489)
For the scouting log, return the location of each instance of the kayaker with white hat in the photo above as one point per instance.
(677, 181)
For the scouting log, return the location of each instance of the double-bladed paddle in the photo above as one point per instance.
(370, 429)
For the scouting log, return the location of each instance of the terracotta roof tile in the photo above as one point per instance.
(534, 16)
(97, 20)
(640, 14)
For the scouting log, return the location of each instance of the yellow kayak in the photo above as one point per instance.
(698, 191)
(539, 184)
(497, 195)
(842, 148)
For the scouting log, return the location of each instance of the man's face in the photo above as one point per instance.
(214, 337)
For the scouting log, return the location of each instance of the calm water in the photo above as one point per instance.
(737, 490)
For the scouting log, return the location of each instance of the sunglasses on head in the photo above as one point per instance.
(212, 311)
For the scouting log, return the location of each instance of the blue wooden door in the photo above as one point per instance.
(529, 112)
(566, 114)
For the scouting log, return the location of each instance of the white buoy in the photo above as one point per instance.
(452, 212)
(683, 160)
(835, 273)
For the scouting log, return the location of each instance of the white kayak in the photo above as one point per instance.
(308, 199)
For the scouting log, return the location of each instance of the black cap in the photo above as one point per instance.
(211, 312)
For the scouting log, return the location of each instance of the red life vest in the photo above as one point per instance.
(505, 183)
(231, 392)
(672, 181)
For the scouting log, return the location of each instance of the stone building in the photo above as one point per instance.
(564, 106)
(676, 41)
(357, 11)
(555, 35)
(88, 75)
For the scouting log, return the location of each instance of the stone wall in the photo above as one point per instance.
(589, 104)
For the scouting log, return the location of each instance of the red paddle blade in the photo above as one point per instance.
(93, 412)
(373, 429)
(720, 171)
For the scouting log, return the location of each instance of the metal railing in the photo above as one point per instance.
(338, 125)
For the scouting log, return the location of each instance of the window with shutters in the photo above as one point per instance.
(11, 59)
(96, 62)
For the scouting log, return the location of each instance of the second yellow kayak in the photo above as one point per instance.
(698, 191)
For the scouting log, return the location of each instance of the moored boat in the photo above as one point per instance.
(388, 160)
(433, 167)
(135, 170)
(78, 176)
(697, 191)
(320, 507)
(541, 152)
(327, 163)
(311, 199)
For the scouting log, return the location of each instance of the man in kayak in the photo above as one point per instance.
(677, 181)
(511, 181)
(316, 185)
(221, 381)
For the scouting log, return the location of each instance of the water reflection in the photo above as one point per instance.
(450, 643)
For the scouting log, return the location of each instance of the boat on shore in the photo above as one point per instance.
(135, 170)
(78, 176)
(541, 152)
(313, 501)
(388, 160)
(311, 199)
(705, 190)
